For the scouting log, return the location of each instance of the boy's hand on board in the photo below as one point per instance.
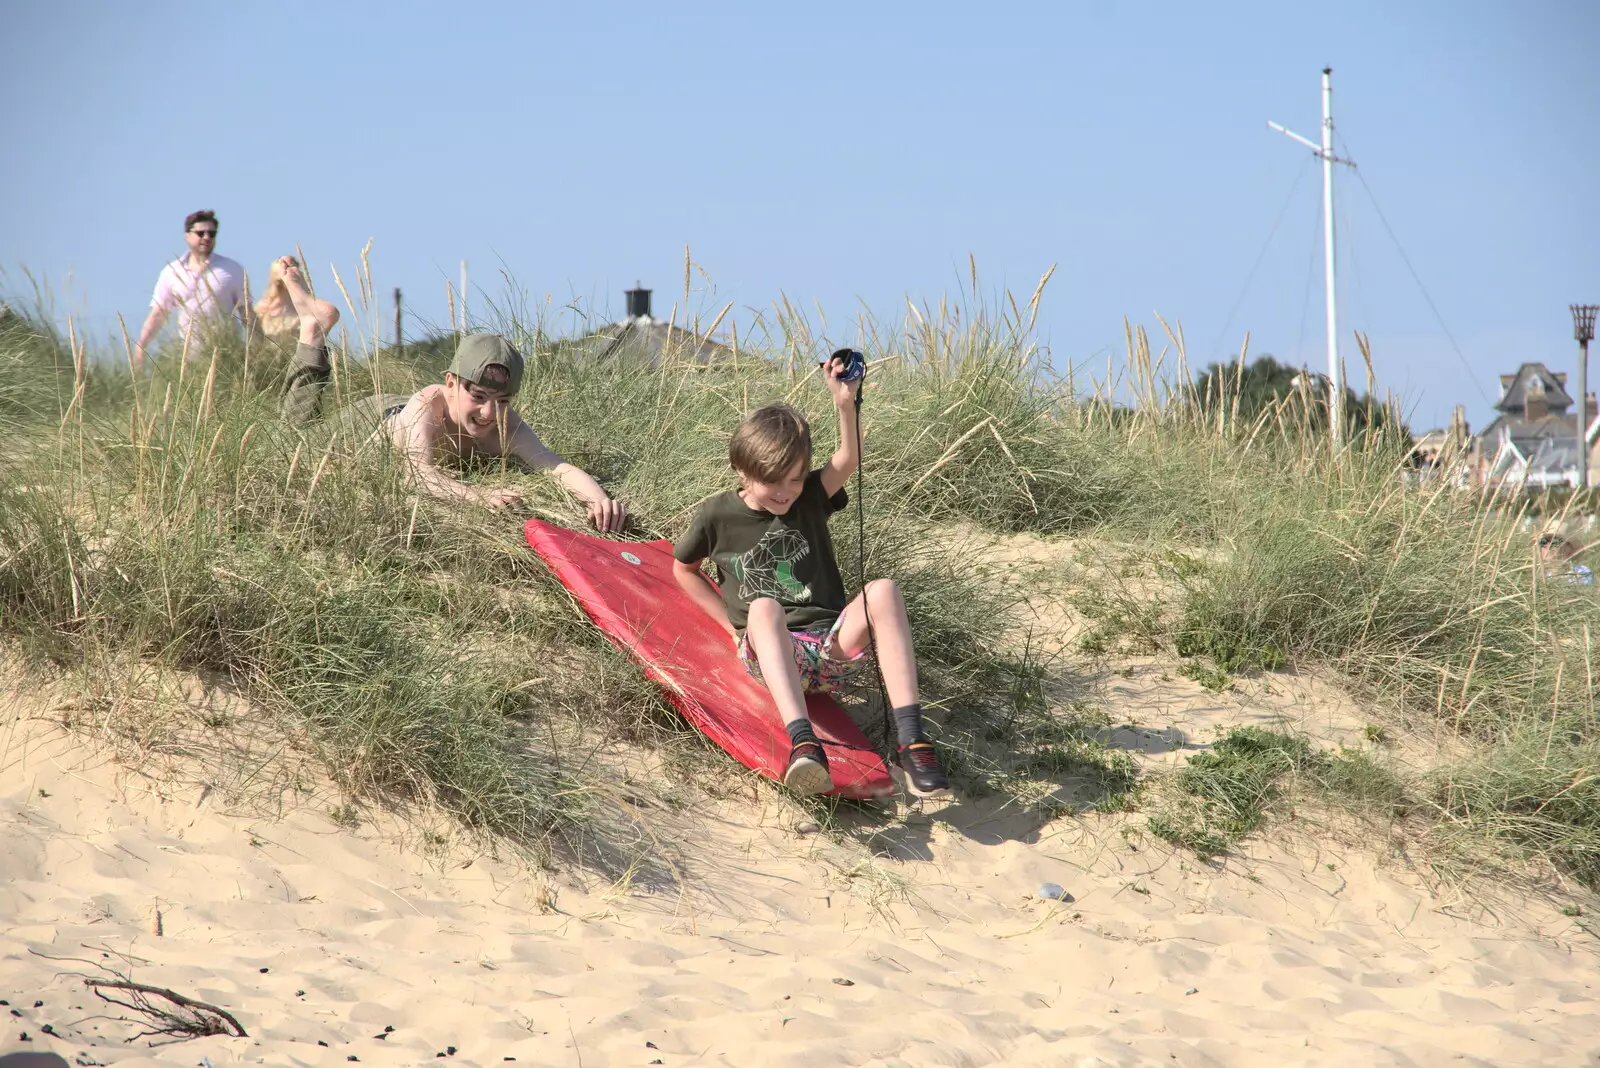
(608, 516)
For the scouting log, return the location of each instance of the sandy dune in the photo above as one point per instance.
(764, 947)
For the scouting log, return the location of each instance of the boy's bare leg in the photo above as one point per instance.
(317, 317)
(769, 639)
(768, 634)
(892, 631)
(309, 371)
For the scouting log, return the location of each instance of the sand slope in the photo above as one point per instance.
(768, 948)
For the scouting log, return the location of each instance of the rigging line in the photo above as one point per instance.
(1471, 374)
(1260, 256)
(1305, 306)
(1344, 208)
(1351, 308)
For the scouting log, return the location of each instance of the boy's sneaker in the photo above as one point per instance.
(924, 776)
(808, 770)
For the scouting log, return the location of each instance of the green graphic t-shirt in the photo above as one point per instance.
(787, 557)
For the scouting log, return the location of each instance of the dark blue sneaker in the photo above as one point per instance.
(924, 776)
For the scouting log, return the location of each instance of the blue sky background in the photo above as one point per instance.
(840, 153)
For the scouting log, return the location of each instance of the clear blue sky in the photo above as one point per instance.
(836, 152)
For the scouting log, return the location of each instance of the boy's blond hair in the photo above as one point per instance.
(769, 442)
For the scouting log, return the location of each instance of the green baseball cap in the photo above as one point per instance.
(479, 354)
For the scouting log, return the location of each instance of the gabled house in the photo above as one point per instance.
(1533, 442)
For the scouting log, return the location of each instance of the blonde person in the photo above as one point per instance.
(466, 417)
(783, 600)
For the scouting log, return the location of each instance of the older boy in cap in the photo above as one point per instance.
(466, 417)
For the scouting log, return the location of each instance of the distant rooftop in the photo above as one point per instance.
(1537, 379)
(647, 339)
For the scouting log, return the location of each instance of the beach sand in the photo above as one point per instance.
(751, 943)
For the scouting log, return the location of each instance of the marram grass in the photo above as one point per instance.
(426, 655)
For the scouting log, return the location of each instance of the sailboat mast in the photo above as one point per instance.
(1335, 370)
(1324, 152)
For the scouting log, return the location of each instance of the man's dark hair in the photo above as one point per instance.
(199, 216)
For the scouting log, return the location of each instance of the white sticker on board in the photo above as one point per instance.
(632, 559)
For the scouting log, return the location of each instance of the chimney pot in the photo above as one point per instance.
(638, 302)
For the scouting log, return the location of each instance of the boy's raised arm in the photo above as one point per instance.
(847, 457)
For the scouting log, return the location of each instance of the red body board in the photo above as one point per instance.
(628, 590)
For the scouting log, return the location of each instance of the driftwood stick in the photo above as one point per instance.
(172, 996)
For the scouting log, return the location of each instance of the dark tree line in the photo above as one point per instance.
(1266, 382)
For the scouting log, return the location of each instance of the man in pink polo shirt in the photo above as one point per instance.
(201, 286)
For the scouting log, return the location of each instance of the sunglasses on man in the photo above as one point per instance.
(203, 233)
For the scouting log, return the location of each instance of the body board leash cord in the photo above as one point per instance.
(861, 582)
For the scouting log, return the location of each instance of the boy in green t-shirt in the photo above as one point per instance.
(783, 600)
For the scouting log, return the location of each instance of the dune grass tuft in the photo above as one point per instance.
(1251, 546)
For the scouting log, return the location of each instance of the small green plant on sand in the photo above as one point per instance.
(1222, 794)
(1212, 678)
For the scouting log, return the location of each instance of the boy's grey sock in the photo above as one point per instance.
(908, 724)
(799, 731)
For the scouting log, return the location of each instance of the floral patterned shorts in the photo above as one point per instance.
(819, 672)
